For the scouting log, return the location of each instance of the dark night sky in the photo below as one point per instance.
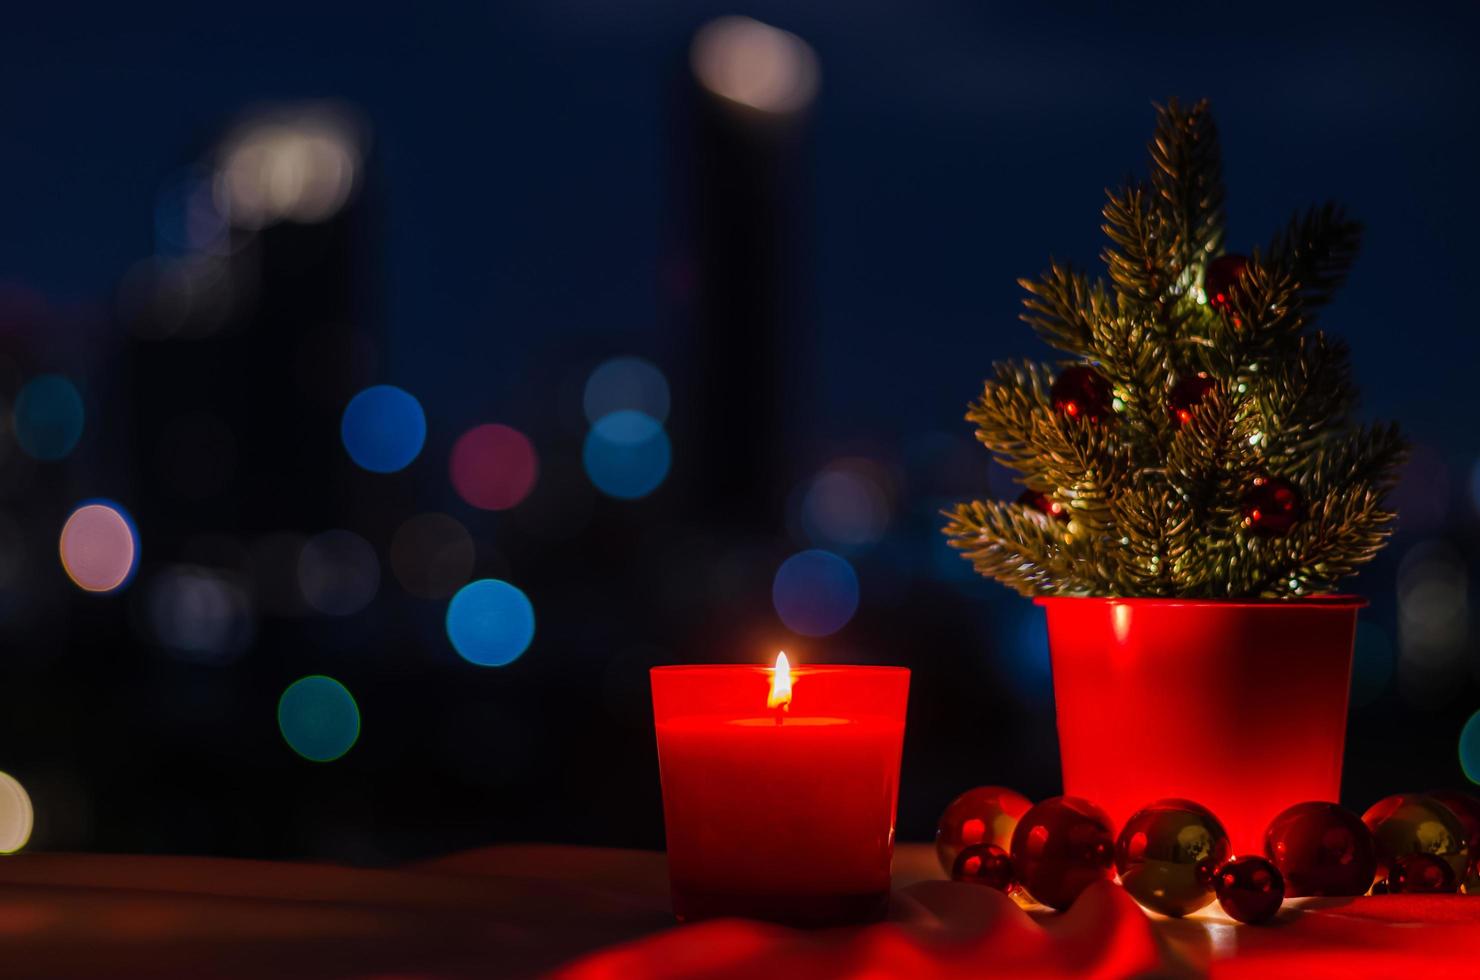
(957, 146)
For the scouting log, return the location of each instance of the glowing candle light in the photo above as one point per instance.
(779, 788)
(780, 696)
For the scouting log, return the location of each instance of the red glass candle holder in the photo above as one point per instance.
(780, 814)
(1237, 705)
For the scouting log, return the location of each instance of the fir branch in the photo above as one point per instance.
(1012, 404)
(1017, 546)
(1154, 537)
(1317, 249)
(1265, 317)
(1132, 353)
(1371, 456)
(1187, 175)
(1340, 532)
(1085, 462)
(1212, 452)
(1141, 259)
(1304, 398)
(1210, 460)
(1064, 307)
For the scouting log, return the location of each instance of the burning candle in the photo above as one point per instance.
(779, 788)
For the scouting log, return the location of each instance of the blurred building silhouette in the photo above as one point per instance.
(741, 182)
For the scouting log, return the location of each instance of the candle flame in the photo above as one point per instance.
(780, 684)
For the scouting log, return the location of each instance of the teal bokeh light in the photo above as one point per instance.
(1469, 748)
(319, 718)
(48, 417)
(627, 454)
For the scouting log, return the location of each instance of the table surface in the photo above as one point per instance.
(592, 913)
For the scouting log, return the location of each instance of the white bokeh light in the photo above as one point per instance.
(17, 817)
(626, 383)
(338, 573)
(754, 64)
(200, 614)
(291, 164)
(847, 504)
(1433, 623)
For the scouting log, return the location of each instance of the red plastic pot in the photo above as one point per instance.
(1240, 706)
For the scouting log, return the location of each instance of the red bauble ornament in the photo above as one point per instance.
(1271, 506)
(1185, 395)
(984, 864)
(1060, 847)
(1219, 278)
(1250, 889)
(1322, 849)
(1081, 393)
(1410, 823)
(985, 815)
(1044, 504)
(1166, 855)
(1421, 873)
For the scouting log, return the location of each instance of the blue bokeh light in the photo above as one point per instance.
(626, 383)
(48, 417)
(383, 428)
(490, 622)
(815, 592)
(1469, 748)
(319, 718)
(627, 454)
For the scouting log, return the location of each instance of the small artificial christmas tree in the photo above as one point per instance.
(1198, 443)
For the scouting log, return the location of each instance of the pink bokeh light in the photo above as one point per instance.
(98, 547)
(493, 467)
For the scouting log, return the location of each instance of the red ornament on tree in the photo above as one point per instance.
(1044, 504)
(1219, 278)
(1185, 395)
(1250, 889)
(1271, 506)
(984, 864)
(1081, 393)
(985, 815)
(1421, 874)
(1322, 849)
(1061, 847)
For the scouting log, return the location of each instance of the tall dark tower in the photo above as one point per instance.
(254, 336)
(744, 180)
